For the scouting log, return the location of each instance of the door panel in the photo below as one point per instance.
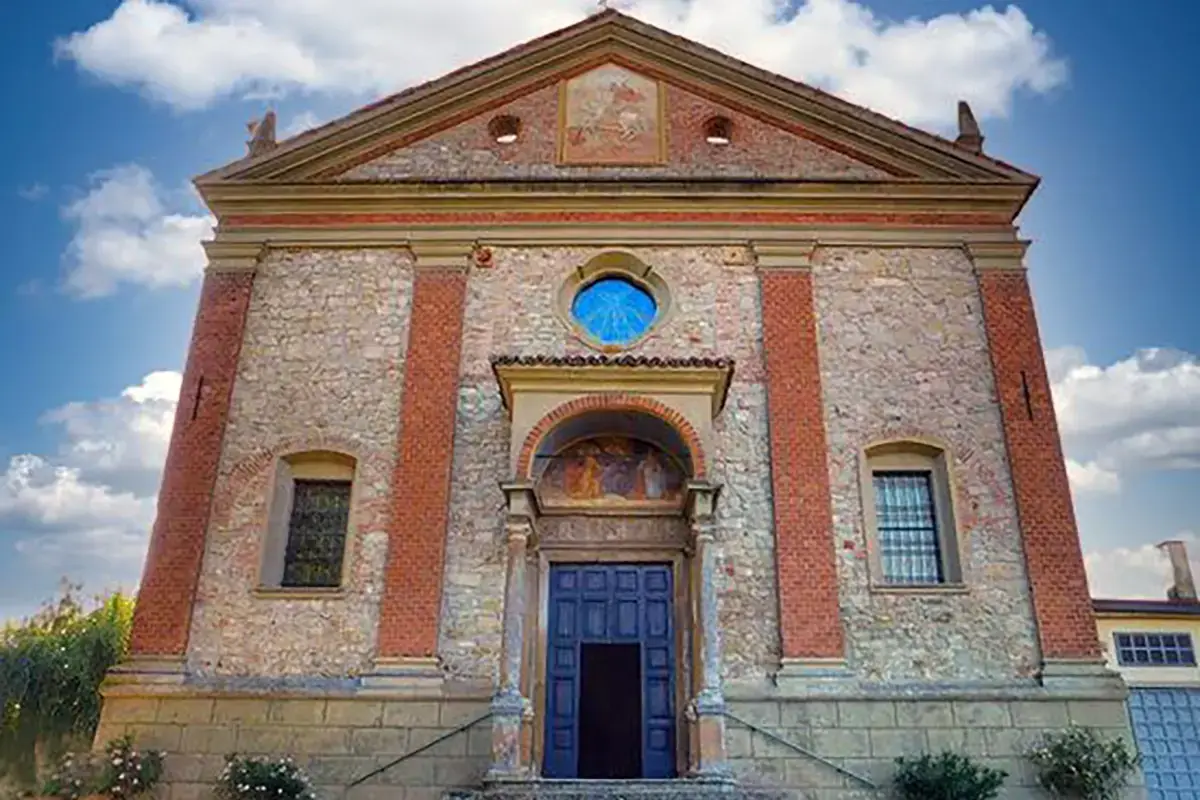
(617, 603)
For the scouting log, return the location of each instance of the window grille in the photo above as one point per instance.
(908, 529)
(316, 534)
(1155, 650)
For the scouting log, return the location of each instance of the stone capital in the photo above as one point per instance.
(234, 256)
(520, 500)
(785, 255)
(702, 500)
(998, 255)
(442, 255)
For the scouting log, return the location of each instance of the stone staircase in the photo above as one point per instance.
(680, 789)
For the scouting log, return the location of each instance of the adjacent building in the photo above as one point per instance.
(613, 409)
(1151, 643)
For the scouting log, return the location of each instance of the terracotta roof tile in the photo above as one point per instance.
(693, 362)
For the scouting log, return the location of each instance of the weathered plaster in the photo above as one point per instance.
(321, 368)
(904, 353)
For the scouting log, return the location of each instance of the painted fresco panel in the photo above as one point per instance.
(612, 474)
(611, 116)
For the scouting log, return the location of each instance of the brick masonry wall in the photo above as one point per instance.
(866, 736)
(409, 620)
(808, 589)
(904, 352)
(1067, 626)
(321, 368)
(336, 739)
(172, 571)
(510, 309)
(469, 151)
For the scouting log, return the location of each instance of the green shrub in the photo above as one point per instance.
(246, 778)
(1078, 764)
(51, 667)
(948, 776)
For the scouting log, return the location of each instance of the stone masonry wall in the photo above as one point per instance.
(337, 740)
(511, 310)
(866, 736)
(321, 368)
(903, 352)
(758, 149)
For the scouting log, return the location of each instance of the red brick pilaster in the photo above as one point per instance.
(1058, 581)
(809, 621)
(163, 615)
(412, 594)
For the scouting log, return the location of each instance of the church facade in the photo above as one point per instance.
(612, 409)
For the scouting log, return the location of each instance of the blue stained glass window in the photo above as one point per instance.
(614, 310)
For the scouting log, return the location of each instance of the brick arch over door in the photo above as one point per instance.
(613, 402)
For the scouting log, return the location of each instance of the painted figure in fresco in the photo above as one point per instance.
(611, 471)
(617, 109)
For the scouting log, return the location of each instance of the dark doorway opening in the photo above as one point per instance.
(610, 712)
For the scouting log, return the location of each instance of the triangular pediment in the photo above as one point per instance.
(614, 95)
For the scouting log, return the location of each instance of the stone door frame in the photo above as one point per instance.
(538, 615)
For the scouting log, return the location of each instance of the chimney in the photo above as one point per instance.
(1184, 588)
(970, 138)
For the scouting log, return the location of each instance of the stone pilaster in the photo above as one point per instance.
(706, 710)
(510, 708)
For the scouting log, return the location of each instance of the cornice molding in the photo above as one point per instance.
(517, 379)
(608, 236)
(1008, 255)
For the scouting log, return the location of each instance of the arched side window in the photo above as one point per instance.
(308, 522)
(908, 506)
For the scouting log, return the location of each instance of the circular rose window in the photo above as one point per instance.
(614, 310)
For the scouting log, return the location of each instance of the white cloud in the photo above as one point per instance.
(1141, 413)
(93, 504)
(1142, 572)
(1091, 477)
(194, 52)
(125, 234)
(304, 121)
(33, 192)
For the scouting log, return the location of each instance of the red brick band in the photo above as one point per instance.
(809, 621)
(412, 593)
(616, 401)
(1066, 625)
(163, 615)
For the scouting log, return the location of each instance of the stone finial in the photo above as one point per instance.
(970, 138)
(262, 134)
(1183, 586)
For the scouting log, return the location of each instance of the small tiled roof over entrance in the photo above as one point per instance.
(653, 362)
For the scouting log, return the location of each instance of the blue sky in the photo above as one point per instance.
(114, 106)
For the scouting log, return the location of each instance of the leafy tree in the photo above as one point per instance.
(51, 666)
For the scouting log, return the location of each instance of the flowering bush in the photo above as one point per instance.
(74, 777)
(1079, 765)
(246, 778)
(128, 772)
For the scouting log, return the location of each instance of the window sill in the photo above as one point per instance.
(919, 589)
(290, 593)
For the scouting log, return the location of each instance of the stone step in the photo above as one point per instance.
(679, 789)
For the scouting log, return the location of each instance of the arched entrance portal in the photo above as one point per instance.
(609, 548)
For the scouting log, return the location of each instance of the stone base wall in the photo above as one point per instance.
(866, 736)
(337, 739)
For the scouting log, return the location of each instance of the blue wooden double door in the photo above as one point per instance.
(610, 672)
